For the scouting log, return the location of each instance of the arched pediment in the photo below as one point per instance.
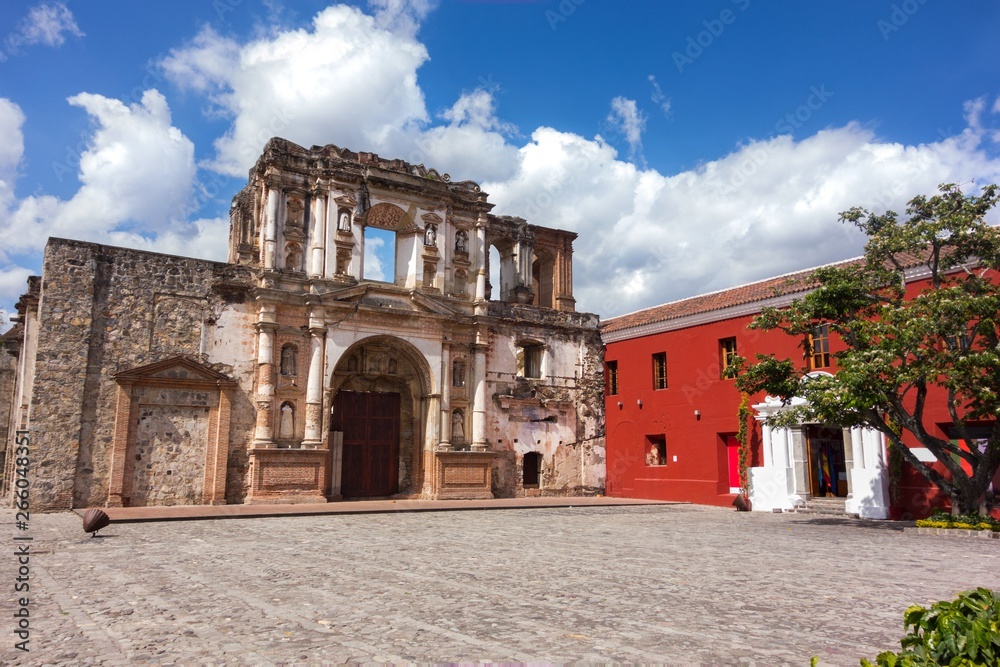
(388, 216)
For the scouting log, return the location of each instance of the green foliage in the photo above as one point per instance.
(900, 343)
(962, 633)
(743, 437)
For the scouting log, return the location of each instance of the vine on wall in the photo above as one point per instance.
(743, 437)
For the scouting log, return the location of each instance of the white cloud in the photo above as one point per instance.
(11, 148)
(348, 78)
(625, 117)
(13, 282)
(374, 247)
(46, 24)
(137, 181)
(766, 208)
(401, 16)
(658, 97)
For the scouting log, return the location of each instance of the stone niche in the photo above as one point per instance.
(171, 436)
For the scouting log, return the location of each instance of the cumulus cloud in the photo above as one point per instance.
(137, 181)
(350, 77)
(11, 148)
(625, 117)
(768, 207)
(46, 23)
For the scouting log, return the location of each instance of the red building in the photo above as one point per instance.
(672, 417)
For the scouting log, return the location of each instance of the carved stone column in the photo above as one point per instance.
(314, 390)
(271, 226)
(264, 430)
(318, 265)
(481, 255)
(445, 442)
(479, 399)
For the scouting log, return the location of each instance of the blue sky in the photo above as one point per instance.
(693, 146)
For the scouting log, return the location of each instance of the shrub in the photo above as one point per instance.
(939, 519)
(962, 633)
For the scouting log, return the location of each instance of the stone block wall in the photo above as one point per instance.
(108, 310)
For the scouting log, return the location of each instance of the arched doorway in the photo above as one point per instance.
(379, 409)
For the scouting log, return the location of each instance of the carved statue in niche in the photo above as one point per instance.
(457, 426)
(343, 261)
(293, 258)
(344, 222)
(393, 366)
(462, 241)
(430, 235)
(286, 422)
(288, 360)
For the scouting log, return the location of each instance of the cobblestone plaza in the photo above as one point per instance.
(648, 584)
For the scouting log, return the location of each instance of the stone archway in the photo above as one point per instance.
(367, 424)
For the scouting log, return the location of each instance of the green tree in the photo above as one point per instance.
(901, 345)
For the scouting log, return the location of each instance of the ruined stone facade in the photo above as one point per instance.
(288, 374)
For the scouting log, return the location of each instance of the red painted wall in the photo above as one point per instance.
(697, 468)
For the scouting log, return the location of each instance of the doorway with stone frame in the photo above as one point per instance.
(827, 461)
(378, 412)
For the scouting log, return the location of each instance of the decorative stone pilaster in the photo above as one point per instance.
(264, 429)
(479, 443)
(271, 209)
(314, 391)
(444, 443)
(318, 232)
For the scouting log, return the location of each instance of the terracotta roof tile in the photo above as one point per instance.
(734, 296)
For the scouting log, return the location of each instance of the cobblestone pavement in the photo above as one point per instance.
(655, 584)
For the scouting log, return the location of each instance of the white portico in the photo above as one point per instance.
(804, 460)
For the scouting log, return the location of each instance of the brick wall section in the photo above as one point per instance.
(106, 310)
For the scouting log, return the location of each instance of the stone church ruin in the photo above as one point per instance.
(293, 372)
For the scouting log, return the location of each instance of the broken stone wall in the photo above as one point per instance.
(105, 310)
(560, 415)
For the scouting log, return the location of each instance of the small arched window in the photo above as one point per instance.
(458, 373)
(289, 353)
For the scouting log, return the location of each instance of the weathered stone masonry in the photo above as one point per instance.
(288, 375)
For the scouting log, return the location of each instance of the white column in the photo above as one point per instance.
(319, 223)
(264, 428)
(857, 442)
(767, 443)
(445, 442)
(479, 399)
(481, 254)
(271, 227)
(314, 391)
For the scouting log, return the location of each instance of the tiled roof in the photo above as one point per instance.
(769, 288)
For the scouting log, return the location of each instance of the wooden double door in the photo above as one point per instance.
(370, 423)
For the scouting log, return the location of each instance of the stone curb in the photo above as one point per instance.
(954, 532)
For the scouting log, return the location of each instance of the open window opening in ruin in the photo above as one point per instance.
(380, 255)
(656, 450)
(493, 287)
(529, 360)
(542, 273)
(531, 468)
